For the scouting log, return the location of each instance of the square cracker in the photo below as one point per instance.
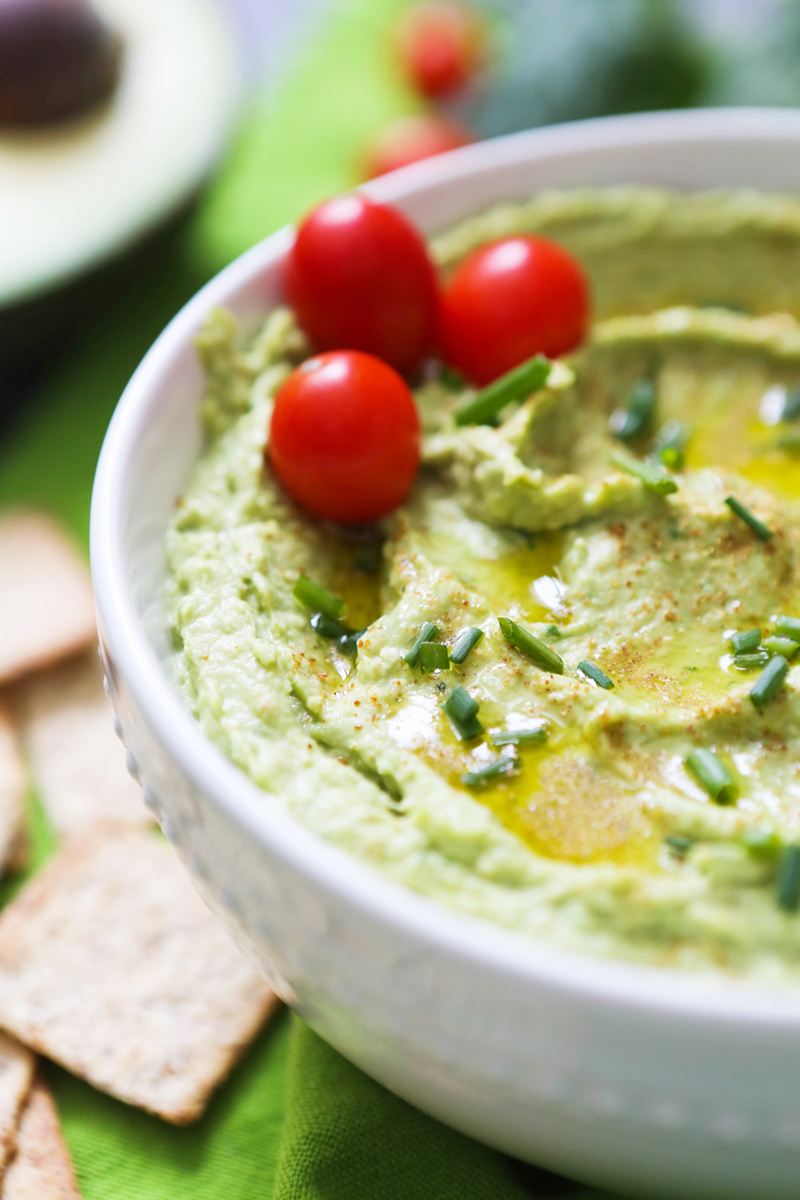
(17, 1066)
(13, 787)
(77, 761)
(41, 1168)
(111, 964)
(46, 603)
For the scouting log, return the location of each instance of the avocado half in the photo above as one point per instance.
(74, 194)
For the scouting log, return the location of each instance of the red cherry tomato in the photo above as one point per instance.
(410, 139)
(440, 44)
(510, 300)
(345, 436)
(359, 278)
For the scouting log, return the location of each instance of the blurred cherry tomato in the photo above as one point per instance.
(410, 139)
(345, 436)
(359, 278)
(510, 300)
(441, 46)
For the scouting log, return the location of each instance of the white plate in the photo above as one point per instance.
(72, 196)
(653, 1082)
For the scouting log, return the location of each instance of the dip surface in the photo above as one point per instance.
(598, 837)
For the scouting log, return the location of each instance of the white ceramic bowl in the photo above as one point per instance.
(642, 1080)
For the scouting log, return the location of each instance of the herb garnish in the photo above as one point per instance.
(769, 682)
(315, 596)
(679, 845)
(654, 478)
(786, 647)
(789, 879)
(593, 672)
(758, 527)
(517, 384)
(452, 380)
(492, 771)
(746, 642)
(465, 643)
(637, 418)
(791, 405)
(671, 444)
(788, 627)
(426, 634)
(537, 652)
(761, 843)
(462, 710)
(713, 776)
(519, 737)
(433, 656)
(750, 662)
(336, 631)
(369, 557)
(327, 627)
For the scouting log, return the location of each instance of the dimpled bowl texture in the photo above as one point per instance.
(649, 1082)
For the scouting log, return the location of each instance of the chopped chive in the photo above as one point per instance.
(637, 417)
(348, 645)
(784, 646)
(791, 405)
(758, 527)
(745, 642)
(788, 627)
(519, 737)
(452, 379)
(593, 672)
(517, 384)
(460, 704)
(679, 845)
(337, 631)
(553, 631)
(789, 880)
(327, 627)
(537, 652)
(369, 557)
(750, 662)
(770, 681)
(761, 843)
(426, 634)
(492, 771)
(314, 595)
(462, 710)
(655, 479)
(433, 656)
(671, 444)
(465, 643)
(713, 776)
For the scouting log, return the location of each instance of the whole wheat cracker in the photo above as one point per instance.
(17, 1067)
(77, 761)
(111, 965)
(13, 787)
(41, 1168)
(46, 603)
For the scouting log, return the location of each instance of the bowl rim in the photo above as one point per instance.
(680, 993)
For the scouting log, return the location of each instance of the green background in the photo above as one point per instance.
(295, 1121)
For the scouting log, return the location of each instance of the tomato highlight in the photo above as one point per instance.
(345, 437)
(510, 300)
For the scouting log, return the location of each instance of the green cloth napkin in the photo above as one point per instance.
(295, 1121)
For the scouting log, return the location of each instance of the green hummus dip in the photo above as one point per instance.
(594, 831)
